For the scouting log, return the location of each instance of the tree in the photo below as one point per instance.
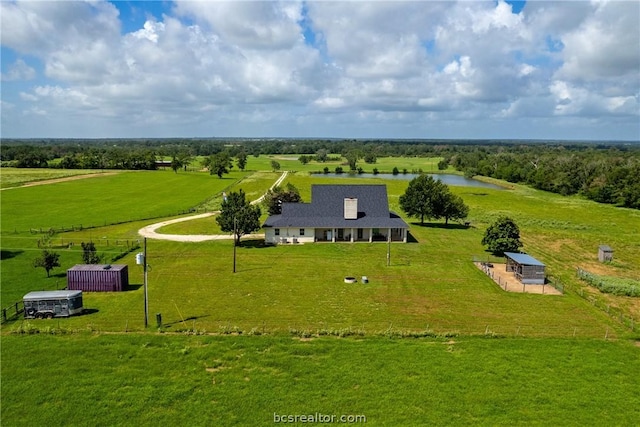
(322, 155)
(241, 160)
(238, 216)
(370, 157)
(304, 159)
(422, 197)
(219, 163)
(395, 171)
(502, 236)
(176, 164)
(274, 198)
(352, 159)
(47, 260)
(89, 253)
(275, 165)
(452, 207)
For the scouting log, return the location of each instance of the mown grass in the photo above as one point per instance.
(383, 164)
(15, 177)
(108, 199)
(135, 379)
(430, 284)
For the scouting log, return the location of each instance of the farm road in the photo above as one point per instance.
(150, 230)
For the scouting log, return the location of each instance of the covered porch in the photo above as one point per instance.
(360, 235)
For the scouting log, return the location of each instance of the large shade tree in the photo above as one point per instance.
(219, 163)
(429, 198)
(420, 199)
(502, 236)
(238, 216)
(275, 197)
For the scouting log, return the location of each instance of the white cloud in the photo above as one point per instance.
(212, 66)
(19, 70)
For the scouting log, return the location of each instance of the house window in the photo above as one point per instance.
(276, 231)
(302, 231)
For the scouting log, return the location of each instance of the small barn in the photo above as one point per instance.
(98, 277)
(605, 253)
(526, 268)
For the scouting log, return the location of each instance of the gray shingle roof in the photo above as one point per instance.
(326, 209)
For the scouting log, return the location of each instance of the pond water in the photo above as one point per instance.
(446, 178)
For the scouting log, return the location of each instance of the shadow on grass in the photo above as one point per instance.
(441, 225)
(133, 287)
(4, 254)
(59, 275)
(254, 244)
(88, 311)
(183, 322)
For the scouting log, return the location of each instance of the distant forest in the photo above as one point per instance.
(607, 172)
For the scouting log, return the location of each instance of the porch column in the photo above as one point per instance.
(404, 235)
(352, 234)
(333, 236)
(389, 234)
(370, 235)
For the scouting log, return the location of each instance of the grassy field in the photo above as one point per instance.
(109, 199)
(383, 164)
(133, 379)
(15, 177)
(554, 366)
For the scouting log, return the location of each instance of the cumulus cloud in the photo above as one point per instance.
(19, 71)
(207, 67)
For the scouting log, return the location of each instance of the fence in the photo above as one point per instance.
(598, 302)
(486, 265)
(12, 311)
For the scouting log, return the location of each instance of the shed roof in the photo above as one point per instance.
(326, 209)
(523, 259)
(37, 295)
(605, 248)
(98, 267)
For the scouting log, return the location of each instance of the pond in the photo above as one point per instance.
(446, 178)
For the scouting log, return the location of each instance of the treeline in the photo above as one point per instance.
(607, 172)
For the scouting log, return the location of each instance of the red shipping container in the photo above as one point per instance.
(98, 277)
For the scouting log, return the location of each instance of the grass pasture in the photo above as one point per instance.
(286, 335)
(15, 177)
(110, 199)
(143, 379)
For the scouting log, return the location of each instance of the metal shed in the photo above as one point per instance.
(98, 277)
(51, 304)
(526, 268)
(605, 253)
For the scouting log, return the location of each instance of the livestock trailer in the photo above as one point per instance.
(98, 277)
(50, 304)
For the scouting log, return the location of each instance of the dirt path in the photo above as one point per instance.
(57, 180)
(150, 230)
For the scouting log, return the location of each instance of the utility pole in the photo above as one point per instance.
(146, 295)
(235, 231)
(389, 249)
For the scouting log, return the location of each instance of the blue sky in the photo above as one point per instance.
(352, 69)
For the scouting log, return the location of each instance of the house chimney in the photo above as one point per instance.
(350, 208)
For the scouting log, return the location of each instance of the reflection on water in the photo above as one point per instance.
(448, 179)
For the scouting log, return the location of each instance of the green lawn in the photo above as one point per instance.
(150, 379)
(15, 177)
(110, 199)
(554, 368)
